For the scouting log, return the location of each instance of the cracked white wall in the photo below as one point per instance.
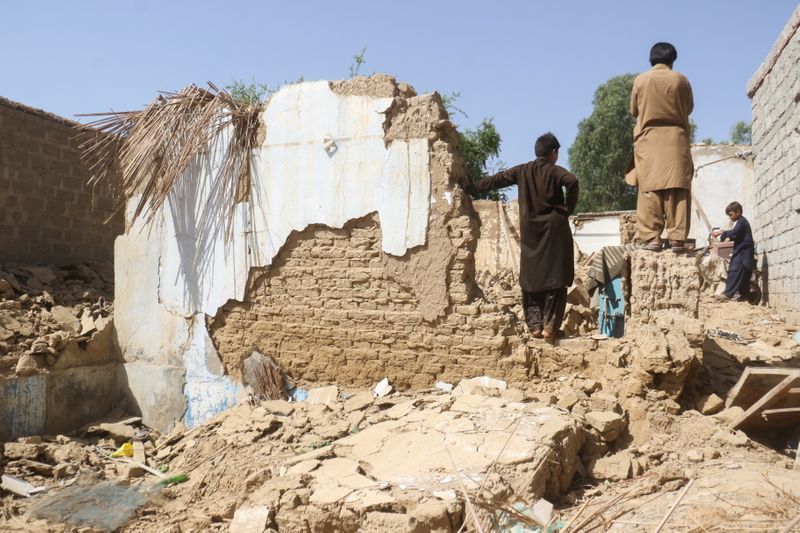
(323, 161)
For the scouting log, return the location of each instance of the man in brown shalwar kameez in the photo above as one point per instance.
(547, 262)
(661, 101)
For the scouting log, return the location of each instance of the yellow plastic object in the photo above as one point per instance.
(126, 450)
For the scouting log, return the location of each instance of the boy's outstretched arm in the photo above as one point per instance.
(504, 178)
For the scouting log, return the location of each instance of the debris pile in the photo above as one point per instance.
(44, 309)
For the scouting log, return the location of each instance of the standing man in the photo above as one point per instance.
(661, 101)
(547, 262)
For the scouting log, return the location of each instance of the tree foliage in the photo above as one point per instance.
(603, 148)
(254, 93)
(480, 147)
(741, 133)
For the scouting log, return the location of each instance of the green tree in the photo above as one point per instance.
(603, 148)
(480, 147)
(742, 133)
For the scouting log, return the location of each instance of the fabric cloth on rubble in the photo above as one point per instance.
(544, 310)
(606, 265)
(661, 101)
(547, 255)
(741, 266)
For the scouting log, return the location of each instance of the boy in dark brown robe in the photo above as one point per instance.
(547, 262)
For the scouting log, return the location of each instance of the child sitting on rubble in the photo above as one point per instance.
(741, 265)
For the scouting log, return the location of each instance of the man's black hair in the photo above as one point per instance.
(546, 144)
(733, 207)
(663, 53)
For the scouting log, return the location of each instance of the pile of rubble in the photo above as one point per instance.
(44, 309)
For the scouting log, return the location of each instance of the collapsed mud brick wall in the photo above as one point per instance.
(663, 281)
(48, 212)
(775, 94)
(353, 260)
(333, 306)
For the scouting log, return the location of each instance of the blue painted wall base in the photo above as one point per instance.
(612, 309)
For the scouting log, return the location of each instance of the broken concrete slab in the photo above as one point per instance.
(468, 386)
(251, 519)
(359, 401)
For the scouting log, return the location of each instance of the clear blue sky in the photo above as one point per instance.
(531, 65)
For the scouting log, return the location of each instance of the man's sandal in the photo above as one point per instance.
(652, 245)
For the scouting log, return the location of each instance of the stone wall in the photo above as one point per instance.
(775, 94)
(48, 213)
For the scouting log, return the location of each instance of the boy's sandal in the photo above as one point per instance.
(676, 246)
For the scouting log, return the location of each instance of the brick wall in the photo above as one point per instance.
(47, 212)
(329, 310)
(775, 93)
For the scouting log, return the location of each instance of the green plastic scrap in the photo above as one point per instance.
(173, 480)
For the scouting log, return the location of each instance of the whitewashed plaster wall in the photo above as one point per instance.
(715, 185)
(592, 234)
(323, 161)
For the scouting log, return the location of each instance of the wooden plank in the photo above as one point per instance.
(780, 418)
(20, 487)
(754, 383)
(138, 452)
(751, 417)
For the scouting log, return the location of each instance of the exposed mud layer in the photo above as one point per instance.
(377, 85)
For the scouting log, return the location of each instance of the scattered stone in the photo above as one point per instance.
(729, 415)
(608, 424)
(28, 365)
(603, 401)
(514, 395)
(672, 407)
(711, 404)
(359, 401)
(278, 407)
(710, 453)
(323, 395)
(694, 456)
(614, 468)
(473, 385)
(445, 387)
(251, 519)
(568, 398)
